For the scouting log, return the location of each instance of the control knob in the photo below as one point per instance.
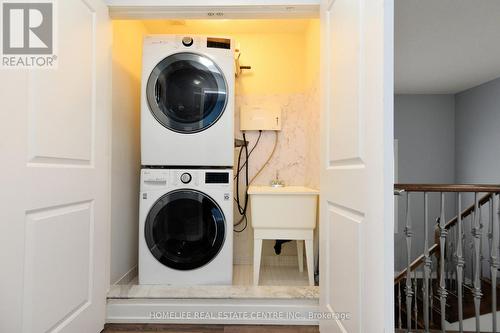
(187, 41)
(186, 178)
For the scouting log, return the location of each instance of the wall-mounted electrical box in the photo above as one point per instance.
(260, 117)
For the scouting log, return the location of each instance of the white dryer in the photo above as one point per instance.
(187, 102)
(186, 227)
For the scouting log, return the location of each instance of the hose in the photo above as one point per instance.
(242, 210)
(268, 159)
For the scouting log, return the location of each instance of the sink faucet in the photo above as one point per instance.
(277, 182)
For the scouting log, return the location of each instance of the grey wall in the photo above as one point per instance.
(445, 139)
(424, 126)
(478, 134)
(477, 155)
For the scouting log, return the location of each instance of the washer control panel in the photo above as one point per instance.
(155, 176)
(159, 178)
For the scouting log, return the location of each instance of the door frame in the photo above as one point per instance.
(135, 9)
(359, 172)
(121, 311)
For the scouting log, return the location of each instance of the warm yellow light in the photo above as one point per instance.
(283, 53)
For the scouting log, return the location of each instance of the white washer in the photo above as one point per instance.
(187, 102)
(186, 227)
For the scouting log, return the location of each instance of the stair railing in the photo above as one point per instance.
(449, 256)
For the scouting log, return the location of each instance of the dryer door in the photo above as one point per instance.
(187, 92)
(185, 229)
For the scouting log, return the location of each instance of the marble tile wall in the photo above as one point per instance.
(296, 157)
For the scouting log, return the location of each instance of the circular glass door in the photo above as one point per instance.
(185, 229)
(186, 92)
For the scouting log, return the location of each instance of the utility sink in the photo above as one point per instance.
(287, 212)
(287, 207)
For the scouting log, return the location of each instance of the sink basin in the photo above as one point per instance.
(288, 207)
(284, 190)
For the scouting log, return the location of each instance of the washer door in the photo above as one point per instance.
(187, 92)
(185, 229)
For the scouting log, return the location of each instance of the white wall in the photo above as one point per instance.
(125, 148)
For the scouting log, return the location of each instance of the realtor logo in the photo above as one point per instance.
(28, 34)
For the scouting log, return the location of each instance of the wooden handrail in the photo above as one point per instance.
(402, 275)
(435, 247)
(483, 188)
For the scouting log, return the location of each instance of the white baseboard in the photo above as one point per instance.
(127, 277)
(213, 311)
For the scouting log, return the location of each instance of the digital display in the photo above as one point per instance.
(219, 43)
(217, 178)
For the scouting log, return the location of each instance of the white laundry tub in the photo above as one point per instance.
(288, 207)
(284, 213)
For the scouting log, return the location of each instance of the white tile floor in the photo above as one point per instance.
(276, 282)
(270, 276)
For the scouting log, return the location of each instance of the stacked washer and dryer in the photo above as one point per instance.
(187, 138)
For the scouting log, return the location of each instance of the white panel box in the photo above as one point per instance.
(260, 117)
